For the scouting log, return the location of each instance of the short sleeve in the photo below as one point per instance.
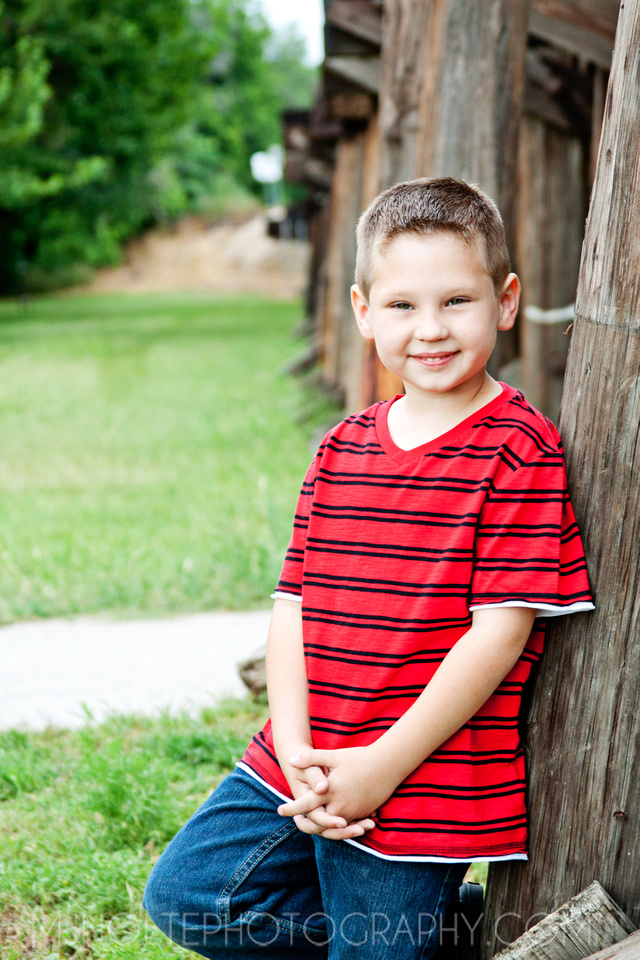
(528, 550)
(290, 582)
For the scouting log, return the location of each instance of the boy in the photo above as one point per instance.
(432, 535)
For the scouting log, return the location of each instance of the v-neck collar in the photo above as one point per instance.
(456, 433)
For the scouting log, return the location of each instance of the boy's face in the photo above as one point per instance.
(433, 312)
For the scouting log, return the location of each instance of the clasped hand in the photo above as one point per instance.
(336, 792)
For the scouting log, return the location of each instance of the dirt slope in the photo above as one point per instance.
(224, 257)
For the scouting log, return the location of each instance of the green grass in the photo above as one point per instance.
(86, 814)
(150, 454)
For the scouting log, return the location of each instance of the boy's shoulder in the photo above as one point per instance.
(358, 427)
(516, 421)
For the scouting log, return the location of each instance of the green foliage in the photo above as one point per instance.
(117, 115)
(295, 81)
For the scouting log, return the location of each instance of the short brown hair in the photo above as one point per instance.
(432, 205)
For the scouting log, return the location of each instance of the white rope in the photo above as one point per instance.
(558, 315)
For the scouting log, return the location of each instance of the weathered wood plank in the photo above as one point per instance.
(584, 724)
(405, 26)
(595, 16)
(552, 205)
(358, 17)
(573, 39)
(363, 71)
(586, 923)
(627, 949)
(337, 332)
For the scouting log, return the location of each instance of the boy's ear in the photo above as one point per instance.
(361, 312)
(509, 302)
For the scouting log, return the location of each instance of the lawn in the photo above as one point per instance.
(151, 456)
(85, 815)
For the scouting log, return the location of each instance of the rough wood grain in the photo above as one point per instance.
(597, 16)
(552, 205)
(586, 923)
(405, 25)
(338, 333)
(584, 721)
(572, 38)
(470, 121)
(627, 949)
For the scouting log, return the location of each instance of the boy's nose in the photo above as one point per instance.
(431, 326)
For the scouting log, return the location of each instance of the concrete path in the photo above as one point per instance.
(49, 668)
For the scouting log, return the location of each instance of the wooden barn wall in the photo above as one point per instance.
(450, 102)
(552, 205)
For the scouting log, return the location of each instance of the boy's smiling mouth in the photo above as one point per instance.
(434, 359)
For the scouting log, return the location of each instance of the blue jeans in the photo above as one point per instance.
(240, 881)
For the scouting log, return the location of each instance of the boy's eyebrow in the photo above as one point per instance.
(400, 293)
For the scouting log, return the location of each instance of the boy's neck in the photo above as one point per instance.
(418, 418)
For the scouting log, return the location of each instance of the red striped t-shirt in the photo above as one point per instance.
(391, 552)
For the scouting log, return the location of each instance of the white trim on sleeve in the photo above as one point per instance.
(543, 609)
(281, 595)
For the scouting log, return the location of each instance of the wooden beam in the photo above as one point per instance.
(357, 17)
(588, 922)
(362, 71)
(582, 43)
(583, 728)
(355, 105)
(595, 16)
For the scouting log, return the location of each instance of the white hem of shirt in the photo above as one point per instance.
(544, 609)
(385, 856)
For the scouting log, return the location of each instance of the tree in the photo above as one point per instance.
(116, 115)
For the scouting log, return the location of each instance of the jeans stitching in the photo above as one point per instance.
(245, 868)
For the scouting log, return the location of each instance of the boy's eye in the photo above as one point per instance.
(456, 300)
(401, 305)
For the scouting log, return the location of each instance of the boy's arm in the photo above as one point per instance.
(361, 778)
(289, 705)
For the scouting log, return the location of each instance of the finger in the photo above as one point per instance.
(307, 826)
(321, 818)
(316, 779)
(312, 758)
(351, 832)
(304, 804)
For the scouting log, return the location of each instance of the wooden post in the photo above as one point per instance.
(405, 27)
(338, 333)
(451, 97)
(584, 724)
